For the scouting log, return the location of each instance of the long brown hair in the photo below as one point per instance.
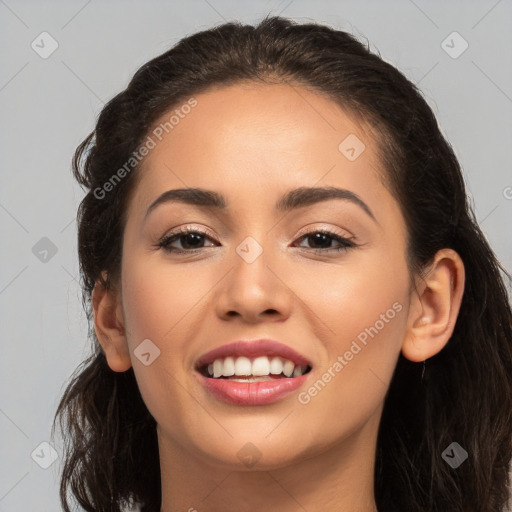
(465, 395)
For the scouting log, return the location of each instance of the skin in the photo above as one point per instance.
(252, 143)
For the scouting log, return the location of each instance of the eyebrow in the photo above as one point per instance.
(294, 199)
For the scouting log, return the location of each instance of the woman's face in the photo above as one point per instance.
(257, 275)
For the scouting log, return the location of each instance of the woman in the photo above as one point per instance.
(293, 307)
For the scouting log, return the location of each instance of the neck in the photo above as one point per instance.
(341, 478)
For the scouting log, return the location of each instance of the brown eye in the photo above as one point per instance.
(321, 241)
(190, 239)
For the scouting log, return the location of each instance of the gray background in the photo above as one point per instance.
(49, 105)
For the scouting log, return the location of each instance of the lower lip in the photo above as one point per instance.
(252, 393)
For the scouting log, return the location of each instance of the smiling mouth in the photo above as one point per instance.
(258, 369)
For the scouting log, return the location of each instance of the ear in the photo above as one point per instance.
(435, 307)
(109, 326)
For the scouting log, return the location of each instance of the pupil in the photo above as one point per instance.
(187, 238)
(319, 237)
(194, 239)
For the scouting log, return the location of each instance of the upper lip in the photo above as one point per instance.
(253, 348)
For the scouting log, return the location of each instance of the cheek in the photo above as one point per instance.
(158, 303)
(359, 310)
(358, 362)
(157, 298)
(357, 293)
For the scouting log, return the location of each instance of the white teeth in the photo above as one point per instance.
(288, 368)
(217, 368)
(242, 366)
(299, 370)
(228, 367)
(276, 366)
(259, 367)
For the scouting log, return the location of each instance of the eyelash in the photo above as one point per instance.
(168, 239)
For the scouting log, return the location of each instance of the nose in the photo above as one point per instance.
(254, 291)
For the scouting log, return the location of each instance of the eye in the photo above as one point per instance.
(191, 240)
(323, 238)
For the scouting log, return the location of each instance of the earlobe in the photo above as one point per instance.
(109, 327)
(435, 308)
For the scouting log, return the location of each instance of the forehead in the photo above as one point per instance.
(253, 138)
